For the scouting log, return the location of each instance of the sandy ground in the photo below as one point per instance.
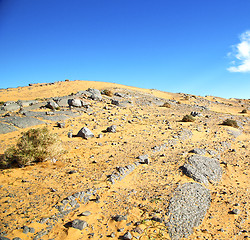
(28, 194)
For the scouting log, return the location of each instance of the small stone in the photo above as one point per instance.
(112, 235)
(86, 213)
(26, 229)
(32, 230)
(235, 211)
(79, 224)
(127, 236)
(85, 133)
(111, 129)
(72, 171)
(61, 125)
(119, 218)
(70, 135)
(143, 159)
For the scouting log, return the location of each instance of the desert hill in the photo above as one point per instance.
(141, 172)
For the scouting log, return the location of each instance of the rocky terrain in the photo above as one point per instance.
(132, 168)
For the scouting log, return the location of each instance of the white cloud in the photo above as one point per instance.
(241, 52)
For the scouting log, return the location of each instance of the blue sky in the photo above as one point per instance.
(197, 47)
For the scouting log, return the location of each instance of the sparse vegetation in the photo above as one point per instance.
(230, 122)
(188, 118)
(107, 92)
(244, 111)
(166, 105)
(1, 103)
(35, 145)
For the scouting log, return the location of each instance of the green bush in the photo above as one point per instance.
(188, 118)
(35, 145)
(230, 122)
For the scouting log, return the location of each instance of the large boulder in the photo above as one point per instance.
(95, 94)
(52, 105)
(203, 169)
(187, 209)
(10, 106)
(75, 102)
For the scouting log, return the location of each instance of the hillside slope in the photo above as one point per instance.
(149, 175)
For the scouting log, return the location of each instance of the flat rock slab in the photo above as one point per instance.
(23, 122)
(203, 169)
(187, 209)
(55, 118)
(5, 128)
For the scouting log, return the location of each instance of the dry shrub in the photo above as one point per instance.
(188, 118)
(35, 145)
(230, 122)
(166, 105)
(107, 92)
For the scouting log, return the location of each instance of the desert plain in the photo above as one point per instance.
(134, 174)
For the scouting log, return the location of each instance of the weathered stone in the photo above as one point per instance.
(61, 124)
(79, 224)
(143, 159)
(127, 236)
(119, 218)
(85, 133)
(5, 128)
(196, 114)
(52, 105)
(203, 169)
(187, 209)
(23, 122)
(75, 102)
(111, 129)
(10, 106)
(199, 151)
(95, 94)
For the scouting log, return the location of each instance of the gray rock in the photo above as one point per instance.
(63, 101)
(196, 114)
(235, 211)
(199, 151)
(95, 94)
(119, 218)
(52, 105)
(35, 106)
(4, 238)
(70, 135)
(5, 128)
(203, 169)
(23, 122)
(143, 159)
(26, 103)
(187, 209)
(122, 95)
(79, 224)
(55, 118)
(85, 133)
(86, 213)
(26, 229)
(61, 124)
(111, 129)
(10, 106)
(127, 236)
(75, 102)
(16, 238)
